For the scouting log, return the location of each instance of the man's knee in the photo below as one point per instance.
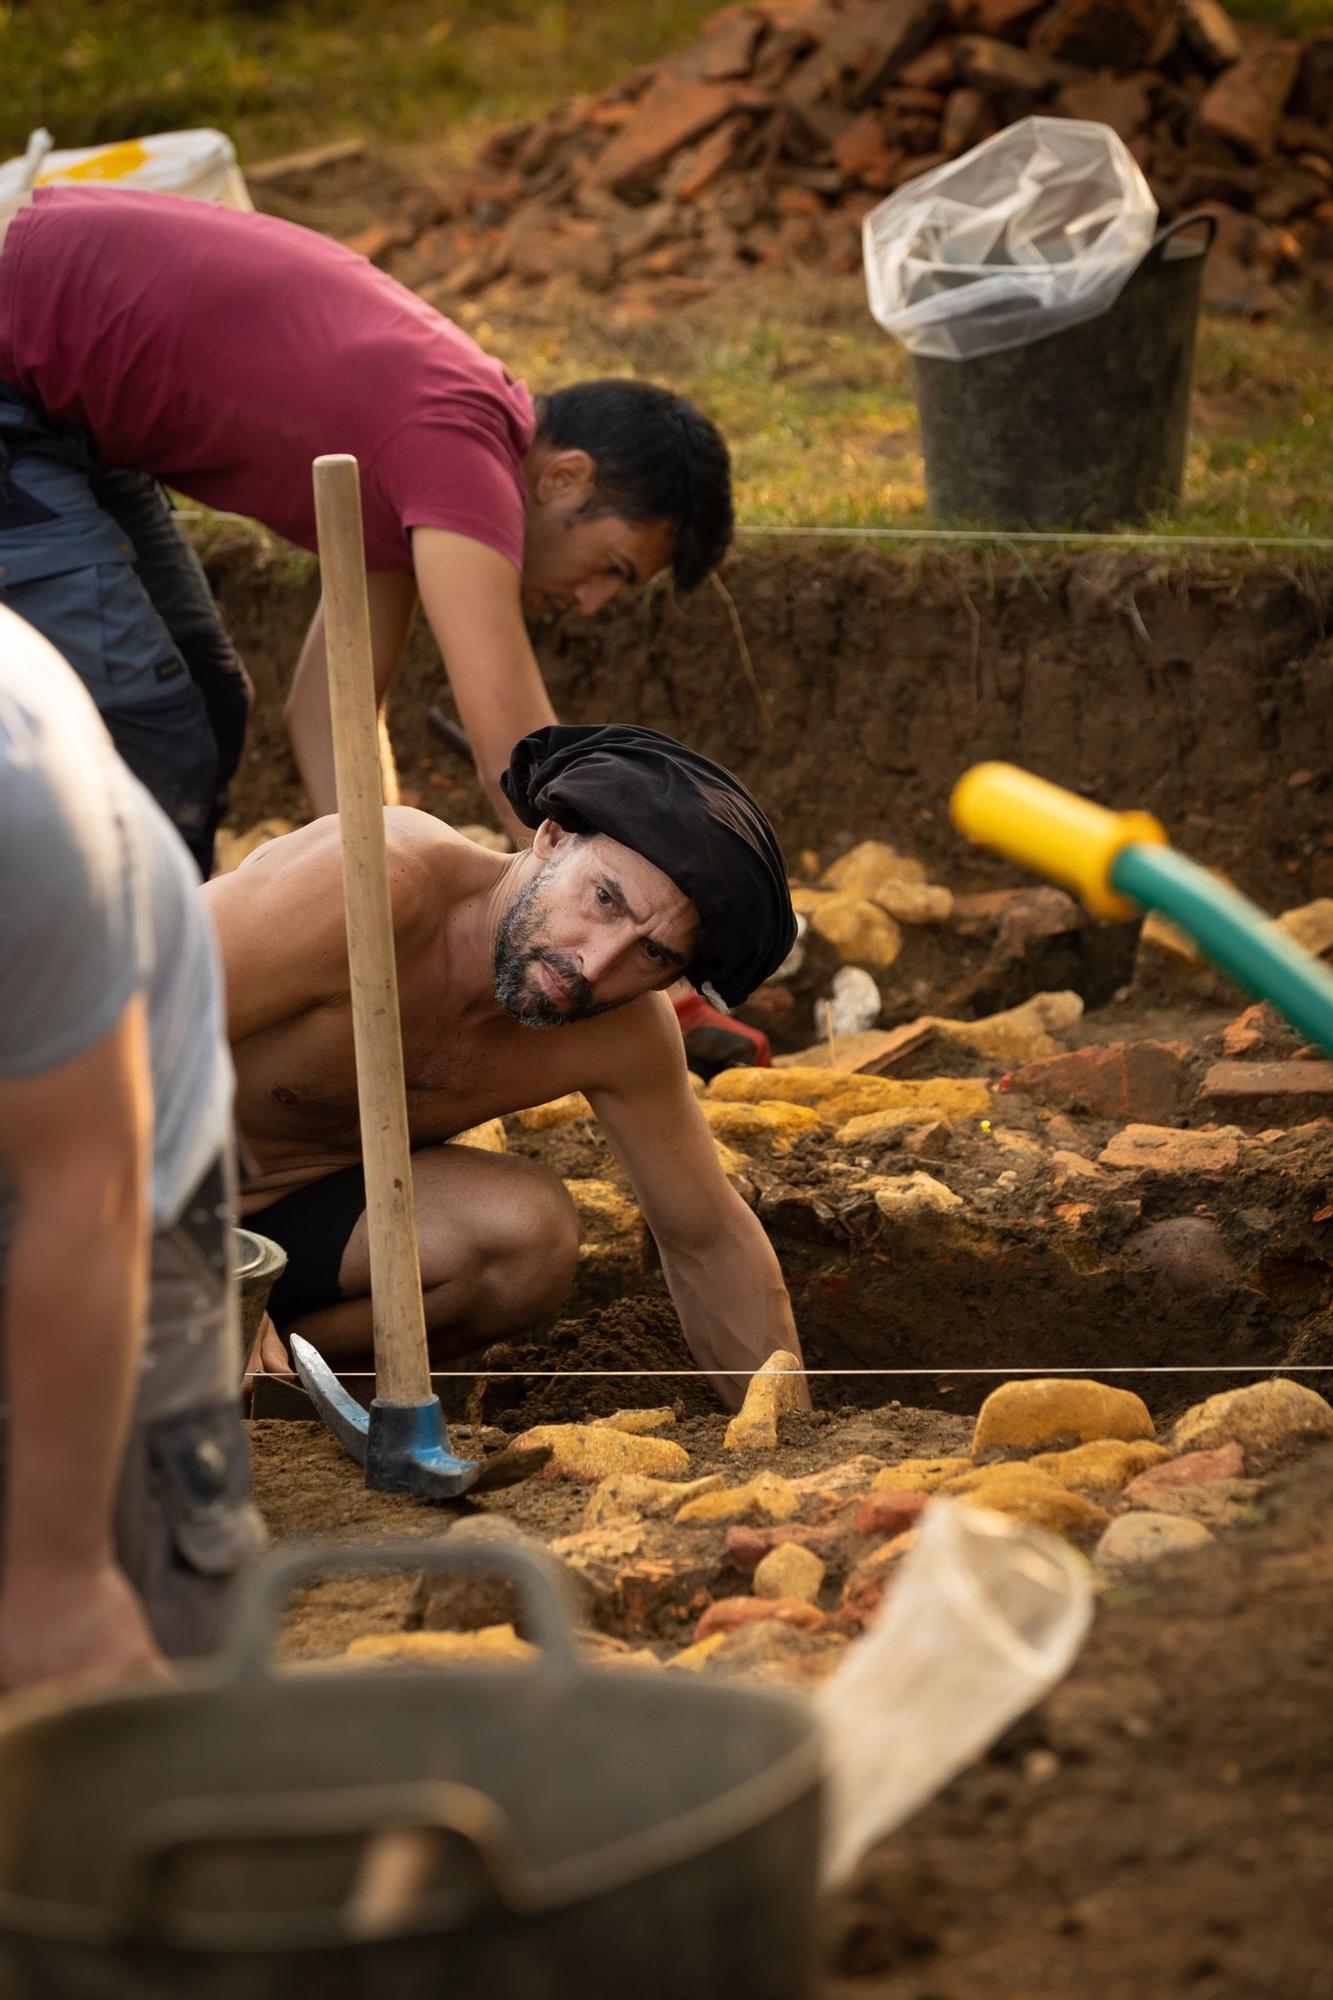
(519, 1253)
(537, 1251)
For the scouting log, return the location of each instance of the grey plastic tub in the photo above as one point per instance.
(639, 1835)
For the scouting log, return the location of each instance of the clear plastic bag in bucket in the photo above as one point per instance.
(1032, 231)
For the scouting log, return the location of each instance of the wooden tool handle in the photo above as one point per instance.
(402, 1361)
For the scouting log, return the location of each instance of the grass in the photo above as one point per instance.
(279, 74)
(818, 406)
(816, 401)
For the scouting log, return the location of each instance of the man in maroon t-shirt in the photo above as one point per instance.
(145, 339)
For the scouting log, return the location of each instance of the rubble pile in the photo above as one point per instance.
(768, 141)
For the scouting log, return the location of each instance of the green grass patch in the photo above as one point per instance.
(276, 74)
(817, 405)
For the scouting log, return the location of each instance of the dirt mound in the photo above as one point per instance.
(1159, 1825)
(768, 140)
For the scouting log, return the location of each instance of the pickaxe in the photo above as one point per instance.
(402, 1440)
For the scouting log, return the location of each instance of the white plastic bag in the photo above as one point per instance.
(201, 164)
(1032, 231)
(984, 1616)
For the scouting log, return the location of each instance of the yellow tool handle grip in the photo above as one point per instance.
(1052, 831)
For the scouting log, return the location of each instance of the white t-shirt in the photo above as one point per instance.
(99, 900)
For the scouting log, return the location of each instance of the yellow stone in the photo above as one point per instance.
(637, 1423)
(234, 848)
(789, 1571)
(766, 1497)
(870, 866)
(1162, 939)
(730, 1161)
(762, 1121)
(1032, 1496)
(603, 1207)
(1103, 1466)
(493, 1645)
(918, 1475)
(1032, 1412)
(699, 1653)
(903, 1196)
(840, 1096)
(582, 1451)
(487, 1138)
(1019, 1034)
(914, 902)
(1267, 1419)
(951, 1098)
(1310, 926)
(775, 1388)
(859, 931)
(633, 1496)
(566, 1110)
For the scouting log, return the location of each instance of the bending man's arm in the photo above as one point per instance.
(74, 1144)
(470, 595)
(392, 598)
(719, 1265)
(471, 598)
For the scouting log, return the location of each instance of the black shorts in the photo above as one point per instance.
(312, 1224)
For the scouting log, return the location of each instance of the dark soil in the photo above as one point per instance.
(1161, 1826)
(1194, 691)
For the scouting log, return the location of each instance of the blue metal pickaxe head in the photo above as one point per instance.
(404, 1447)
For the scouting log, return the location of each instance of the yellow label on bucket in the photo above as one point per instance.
(115, 163)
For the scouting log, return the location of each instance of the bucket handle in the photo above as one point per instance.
(249, 1653)
(1190, 221)
(406, 1829)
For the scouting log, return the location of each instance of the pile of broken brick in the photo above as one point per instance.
(768, 1576)
(767, 142)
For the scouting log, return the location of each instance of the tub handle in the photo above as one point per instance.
(407, 1831)
(265, 1588)
(1157, 249)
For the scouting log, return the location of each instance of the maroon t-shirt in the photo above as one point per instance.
(223, 352)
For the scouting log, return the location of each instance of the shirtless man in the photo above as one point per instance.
(647, 862)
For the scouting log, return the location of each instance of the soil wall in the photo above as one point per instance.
(1204, 693)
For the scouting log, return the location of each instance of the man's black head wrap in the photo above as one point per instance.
(687, 816)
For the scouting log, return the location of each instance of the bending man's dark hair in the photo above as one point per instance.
(658, 459)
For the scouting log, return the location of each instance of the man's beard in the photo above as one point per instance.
(516, 954)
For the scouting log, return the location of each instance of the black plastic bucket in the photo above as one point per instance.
(568, 1831)
(1085, 429)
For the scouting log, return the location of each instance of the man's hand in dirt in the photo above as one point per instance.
(84, 1626)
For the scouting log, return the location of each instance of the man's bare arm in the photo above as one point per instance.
(74, 1144)
(391, 597)
(719, 1265)
(470, 595)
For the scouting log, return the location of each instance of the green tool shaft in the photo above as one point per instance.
(1233, 932)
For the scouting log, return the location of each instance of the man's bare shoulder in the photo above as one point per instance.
(636, 1047)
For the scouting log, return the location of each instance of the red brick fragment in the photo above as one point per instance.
(889, 1513)
(726, 1613)
(747, 1547)
(1196, 1468)
(1138, 1080)
(1246, 103)
(669, 116)
(1268, 1092)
